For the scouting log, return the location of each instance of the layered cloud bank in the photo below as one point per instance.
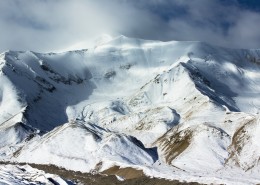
(47, 25)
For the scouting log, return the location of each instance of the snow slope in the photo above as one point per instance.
(85, 148)
(23, 175)
(195, 104)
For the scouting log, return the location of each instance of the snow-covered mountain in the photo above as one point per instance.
(176, 110)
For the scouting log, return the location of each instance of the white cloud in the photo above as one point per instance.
(52, 25)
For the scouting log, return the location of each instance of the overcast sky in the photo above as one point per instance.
(56, 25)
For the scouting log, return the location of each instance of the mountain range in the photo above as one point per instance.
(178, 110)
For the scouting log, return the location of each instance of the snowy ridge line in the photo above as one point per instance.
(7, 120)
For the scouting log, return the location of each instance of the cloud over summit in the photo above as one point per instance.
(46, 25)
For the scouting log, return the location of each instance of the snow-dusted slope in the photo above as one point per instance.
(197, 104)
(12, 137)
(22, 175)
(85, 148)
